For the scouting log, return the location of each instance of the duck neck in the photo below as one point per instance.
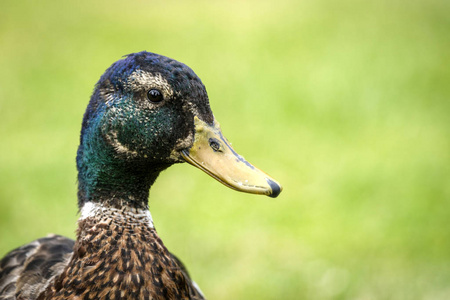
(93, 214)
(114, 181)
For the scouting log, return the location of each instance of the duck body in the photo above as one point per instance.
(147, 112)
(119, 255)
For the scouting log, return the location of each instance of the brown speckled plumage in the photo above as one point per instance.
(117, 259)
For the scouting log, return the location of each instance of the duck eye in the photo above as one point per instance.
(155, 95)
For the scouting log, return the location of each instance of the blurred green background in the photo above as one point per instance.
(346, 103)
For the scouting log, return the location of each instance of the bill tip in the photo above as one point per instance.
(276, 188)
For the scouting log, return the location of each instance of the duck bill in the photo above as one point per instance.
(213, 154)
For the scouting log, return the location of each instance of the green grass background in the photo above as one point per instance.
(346, 103)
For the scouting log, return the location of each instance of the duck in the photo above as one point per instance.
(147, 112)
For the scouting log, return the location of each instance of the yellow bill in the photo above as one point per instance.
(213, 154)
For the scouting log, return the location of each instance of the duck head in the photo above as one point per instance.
(146, 113)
